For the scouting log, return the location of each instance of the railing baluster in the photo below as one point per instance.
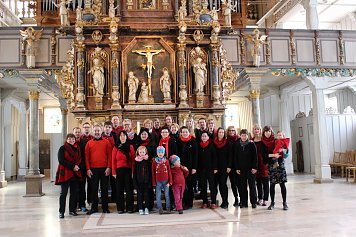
(23, 8)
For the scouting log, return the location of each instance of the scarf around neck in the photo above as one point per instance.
(204, 144)
(160, 160)
(220, 143)
(269, 143)
(166, 142)
(141, 158)
(186, 139)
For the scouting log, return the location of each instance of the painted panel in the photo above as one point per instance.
(280, 51)
(43, 52)
(329, 52)
(62, 48)
(10, 51)
(232, 50)
(305, 51)
(350, 49)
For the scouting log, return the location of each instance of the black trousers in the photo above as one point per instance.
(262, 188)
(99, 176)
(124, 184)
(221, 181)
(248, 177)
(188, 195)
(143, 194)
(235, 183)
(206, 176)
(73, 185)
(113, 188)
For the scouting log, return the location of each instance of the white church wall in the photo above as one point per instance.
(345, 98)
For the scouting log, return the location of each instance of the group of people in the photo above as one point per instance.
(181, 161)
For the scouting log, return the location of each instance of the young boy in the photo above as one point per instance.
(161, 178)
(179, 173)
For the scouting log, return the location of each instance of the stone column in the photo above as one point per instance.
(34, 178)
(312, 19)
(321, 149)
(182, 77)
(80, 76)
(23, 159)
(214, 47)
(284, 124)
(64, 112)
(255, 100)
(3, 182)
(115, 93)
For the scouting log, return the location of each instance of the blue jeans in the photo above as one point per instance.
(159, 187)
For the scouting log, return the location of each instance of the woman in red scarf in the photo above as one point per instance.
(262, 168)
(188, 151)
(224, 159)
(276, 175)
(167, 142)
(207, 168)
(232, 138)
(68, 174)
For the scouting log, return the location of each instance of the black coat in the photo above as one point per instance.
(224, 157)
(245, 157)
(172, 148)
(142, 173)
(151, 148)
(188, 153)
(207, 158)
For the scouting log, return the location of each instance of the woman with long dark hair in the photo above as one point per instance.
(123, 156)
(224, 160)
(68, 174)
(188, 151)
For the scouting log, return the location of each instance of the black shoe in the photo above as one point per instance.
(224, 205)
(285, 206)
(242, 206)
(271, 206)
(106, 211)
(73, 213)
(254, 205)
(180, 211)
(131, 211)
(236, 203)
(120, 212)
(91, 212)
(160, 211)
(61, 215)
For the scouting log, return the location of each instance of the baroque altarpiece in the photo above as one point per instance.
(146, 58)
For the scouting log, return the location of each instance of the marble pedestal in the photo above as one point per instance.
(34, 185)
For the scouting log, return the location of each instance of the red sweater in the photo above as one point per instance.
(110, 139)
(117, 130)
(178, 174)
(282, 143)
(119, 159)
(98, 154)
(161, 172)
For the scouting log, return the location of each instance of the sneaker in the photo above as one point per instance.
(264, 203)
(160, 211)
(259, 202)
(61, 215)
(204, 205)
(168, 211)
(213, 206)
(146, 211)
(83, 209)
(141, 212)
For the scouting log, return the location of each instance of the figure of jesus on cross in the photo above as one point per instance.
(149, 53)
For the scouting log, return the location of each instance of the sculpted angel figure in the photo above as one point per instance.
(257, 41)
(30, 36)
(63, 11)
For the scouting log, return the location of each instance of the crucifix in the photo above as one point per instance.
(149, 53)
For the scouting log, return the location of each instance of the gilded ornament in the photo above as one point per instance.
(34, 94)
(255, 94)
(97, 36)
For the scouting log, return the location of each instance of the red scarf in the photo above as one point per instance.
(204, 144)
(220, 143)
(269, 142)
(165, 141)
(141, 158)
(232, 138)
(145, 142)
(186, 139)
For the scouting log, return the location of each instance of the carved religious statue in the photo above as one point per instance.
(112, 9)
(227, 9)
(63, 11)
(143, 97)
(149, 53)
(79, 14)
(182, 13)
(29, 38)
(165, 84)
(97, 71)
(132, 83)
(200, 74)
(257, 41)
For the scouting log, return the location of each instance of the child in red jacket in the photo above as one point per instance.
(161, 178)
(179, 173)
(281, 145)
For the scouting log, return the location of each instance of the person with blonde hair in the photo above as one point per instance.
(174, 131)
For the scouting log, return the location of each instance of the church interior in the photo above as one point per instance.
(289, 64)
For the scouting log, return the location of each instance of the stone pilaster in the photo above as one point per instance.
(321, 149)
(23, 158)
(182, 77)
(34, 178)
(215, 74)
(255, 100)
(3, 182)
(115, 93)
(64, 112)
(80, 97)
